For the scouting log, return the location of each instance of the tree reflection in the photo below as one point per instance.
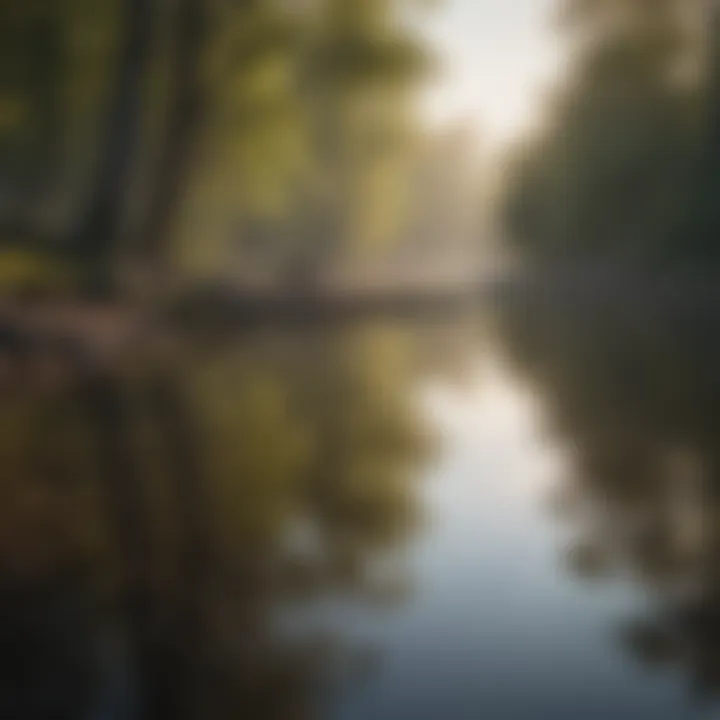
(158, 525)
(632, 390)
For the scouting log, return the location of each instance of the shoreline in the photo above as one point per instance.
(113, 324)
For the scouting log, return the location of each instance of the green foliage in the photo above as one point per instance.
(309, 121)
(287, 119)
(622, 167)
(27, 273)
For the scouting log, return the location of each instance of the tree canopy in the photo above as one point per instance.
(184, 134)
(625, 167)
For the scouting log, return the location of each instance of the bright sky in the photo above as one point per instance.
(497, 56)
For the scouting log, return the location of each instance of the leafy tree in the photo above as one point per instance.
(140, 132)
(617, 172)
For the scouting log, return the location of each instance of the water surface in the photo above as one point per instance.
(509, 514)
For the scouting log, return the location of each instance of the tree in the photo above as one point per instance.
(615, 173)
(145, 131)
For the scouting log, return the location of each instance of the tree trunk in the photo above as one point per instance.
(179, 149)
(97, 235)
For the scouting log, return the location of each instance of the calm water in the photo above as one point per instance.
(512, 514)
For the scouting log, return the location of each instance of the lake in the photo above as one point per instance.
(512, 511)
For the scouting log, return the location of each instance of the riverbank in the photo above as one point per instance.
(108, 328)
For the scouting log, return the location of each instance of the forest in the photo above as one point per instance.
(144, 143)
(625, 169)
(151, 146)
(216, 521)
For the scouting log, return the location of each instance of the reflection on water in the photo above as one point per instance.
(509, 515)
(635, 393)
(157, 521)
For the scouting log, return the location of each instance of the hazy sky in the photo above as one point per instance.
(497, 55)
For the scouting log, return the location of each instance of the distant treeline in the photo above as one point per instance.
(626, 167)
